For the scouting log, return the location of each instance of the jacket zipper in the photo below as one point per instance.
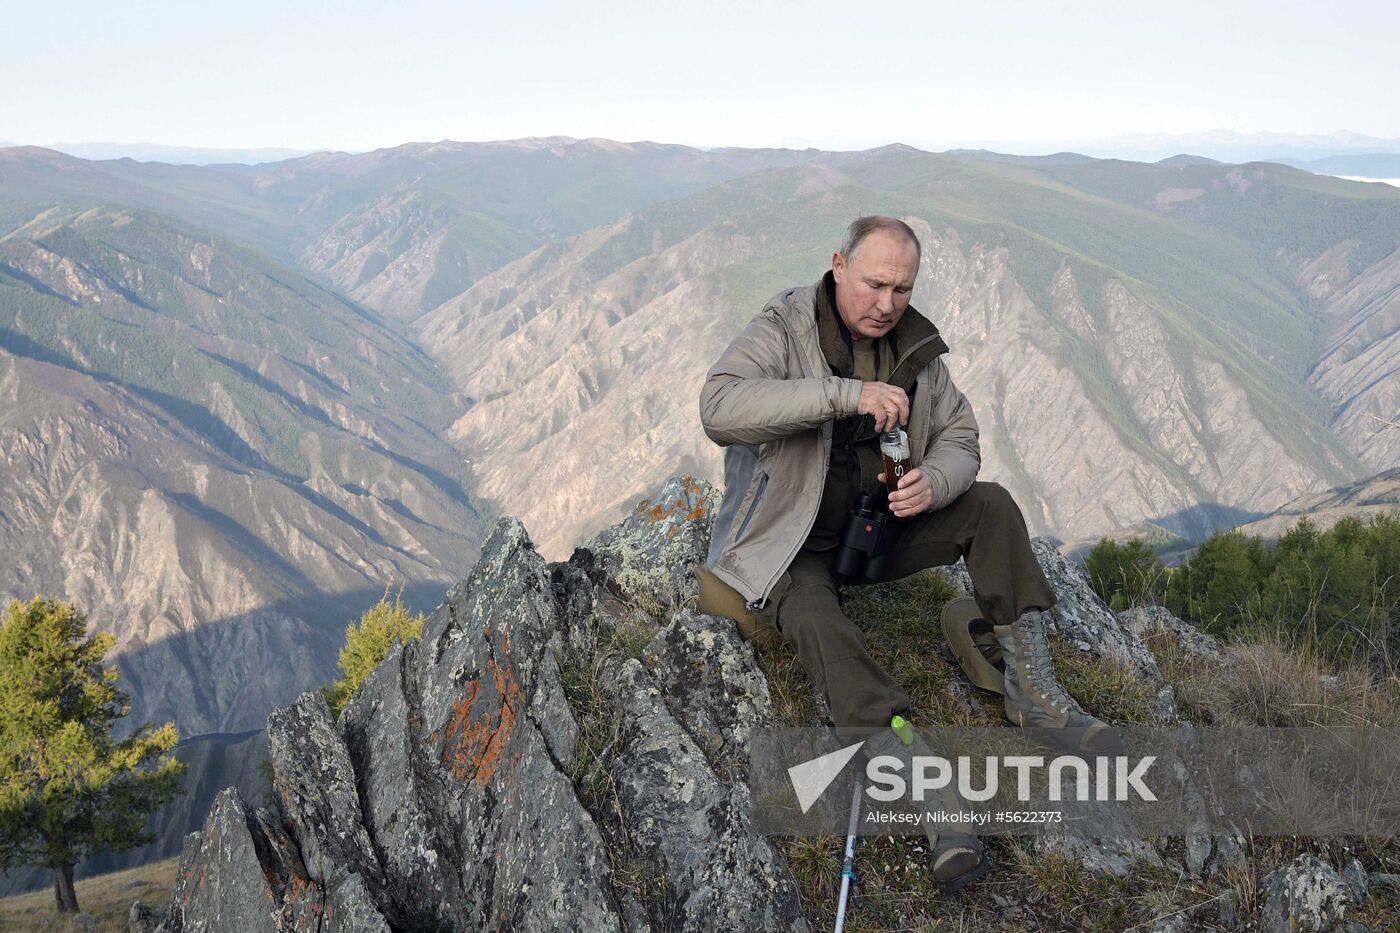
(753, 506)
(757, 604)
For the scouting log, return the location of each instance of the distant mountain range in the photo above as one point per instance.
(1221, 144)
(237, 402)
(173, 155)
(241, 400)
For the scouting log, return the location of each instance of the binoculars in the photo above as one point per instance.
(867, 541)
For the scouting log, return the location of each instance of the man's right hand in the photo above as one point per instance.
(887, 403)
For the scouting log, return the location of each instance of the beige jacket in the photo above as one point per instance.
(771, 401)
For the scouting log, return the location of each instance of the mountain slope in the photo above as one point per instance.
(401, 229)
(221, 462)
(1126, 365)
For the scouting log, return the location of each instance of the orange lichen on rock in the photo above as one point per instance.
(472, 745)
(679, 508)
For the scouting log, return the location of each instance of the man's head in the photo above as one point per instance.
(874, 273)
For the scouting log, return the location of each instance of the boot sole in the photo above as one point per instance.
(1052, 739)
(954, 885)
(958, 616)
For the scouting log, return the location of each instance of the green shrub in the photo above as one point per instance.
(367, 643)
(1338, 589)
(1125, 574)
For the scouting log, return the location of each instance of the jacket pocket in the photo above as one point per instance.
(753, 505)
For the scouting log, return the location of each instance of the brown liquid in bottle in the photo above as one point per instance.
(894, 447)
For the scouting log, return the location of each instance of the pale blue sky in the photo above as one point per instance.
(359, 75)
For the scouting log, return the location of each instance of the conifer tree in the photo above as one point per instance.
(67, 787)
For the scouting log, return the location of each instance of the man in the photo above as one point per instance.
(798, 400)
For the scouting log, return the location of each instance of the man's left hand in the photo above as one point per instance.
(914, 495)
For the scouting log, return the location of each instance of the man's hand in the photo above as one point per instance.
(887, 403)
(914, 495)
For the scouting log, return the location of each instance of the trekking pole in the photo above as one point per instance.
(848, 873)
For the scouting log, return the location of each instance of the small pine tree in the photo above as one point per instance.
(367, 643)
(1339, 589)
(1125, 574)
(67, 789)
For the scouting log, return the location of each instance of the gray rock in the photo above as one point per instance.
(710, 678)
(378, 725)
(649, 554)
(1082, 619)
(1114, 855)
(1305, 895)
(140, 918)
(1358, 882)
(315, 785)
(1172, 923)
(82, 920)
(1149, 620)
(686, 822)
(448, 794)
(1383, 879)
(220, 884)
(486, 655)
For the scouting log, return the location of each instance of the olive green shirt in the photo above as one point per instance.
(855, 444)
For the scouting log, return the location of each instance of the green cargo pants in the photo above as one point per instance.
(983, 525)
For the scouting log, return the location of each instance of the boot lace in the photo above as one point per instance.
(1041, 666)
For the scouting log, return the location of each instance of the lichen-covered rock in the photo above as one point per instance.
(445, 796)
(379, 726)
(315, 784)
(1305, 895)
(453, 793)
(1113, 855)
(649, 554)
(485, 656)
(1146, 621)
(709, 676)
(140, 919)
(220, 884)
(688, 823)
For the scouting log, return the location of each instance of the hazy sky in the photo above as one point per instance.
(360, 75)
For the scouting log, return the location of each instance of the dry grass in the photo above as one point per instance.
(1280, 683)
(1267, 682)
(107, 897)
(1108, 689)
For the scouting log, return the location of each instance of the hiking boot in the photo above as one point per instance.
(973, 643)
(1035, 699)
(955, 860)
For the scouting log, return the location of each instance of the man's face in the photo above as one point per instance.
(873, 288)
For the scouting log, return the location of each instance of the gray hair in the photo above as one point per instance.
(862, 227)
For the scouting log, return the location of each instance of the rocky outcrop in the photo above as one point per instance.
(564, 748)
(1146, 621)
(1306, 895)
(514, 769)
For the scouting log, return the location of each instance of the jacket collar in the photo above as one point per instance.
(914, 339)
